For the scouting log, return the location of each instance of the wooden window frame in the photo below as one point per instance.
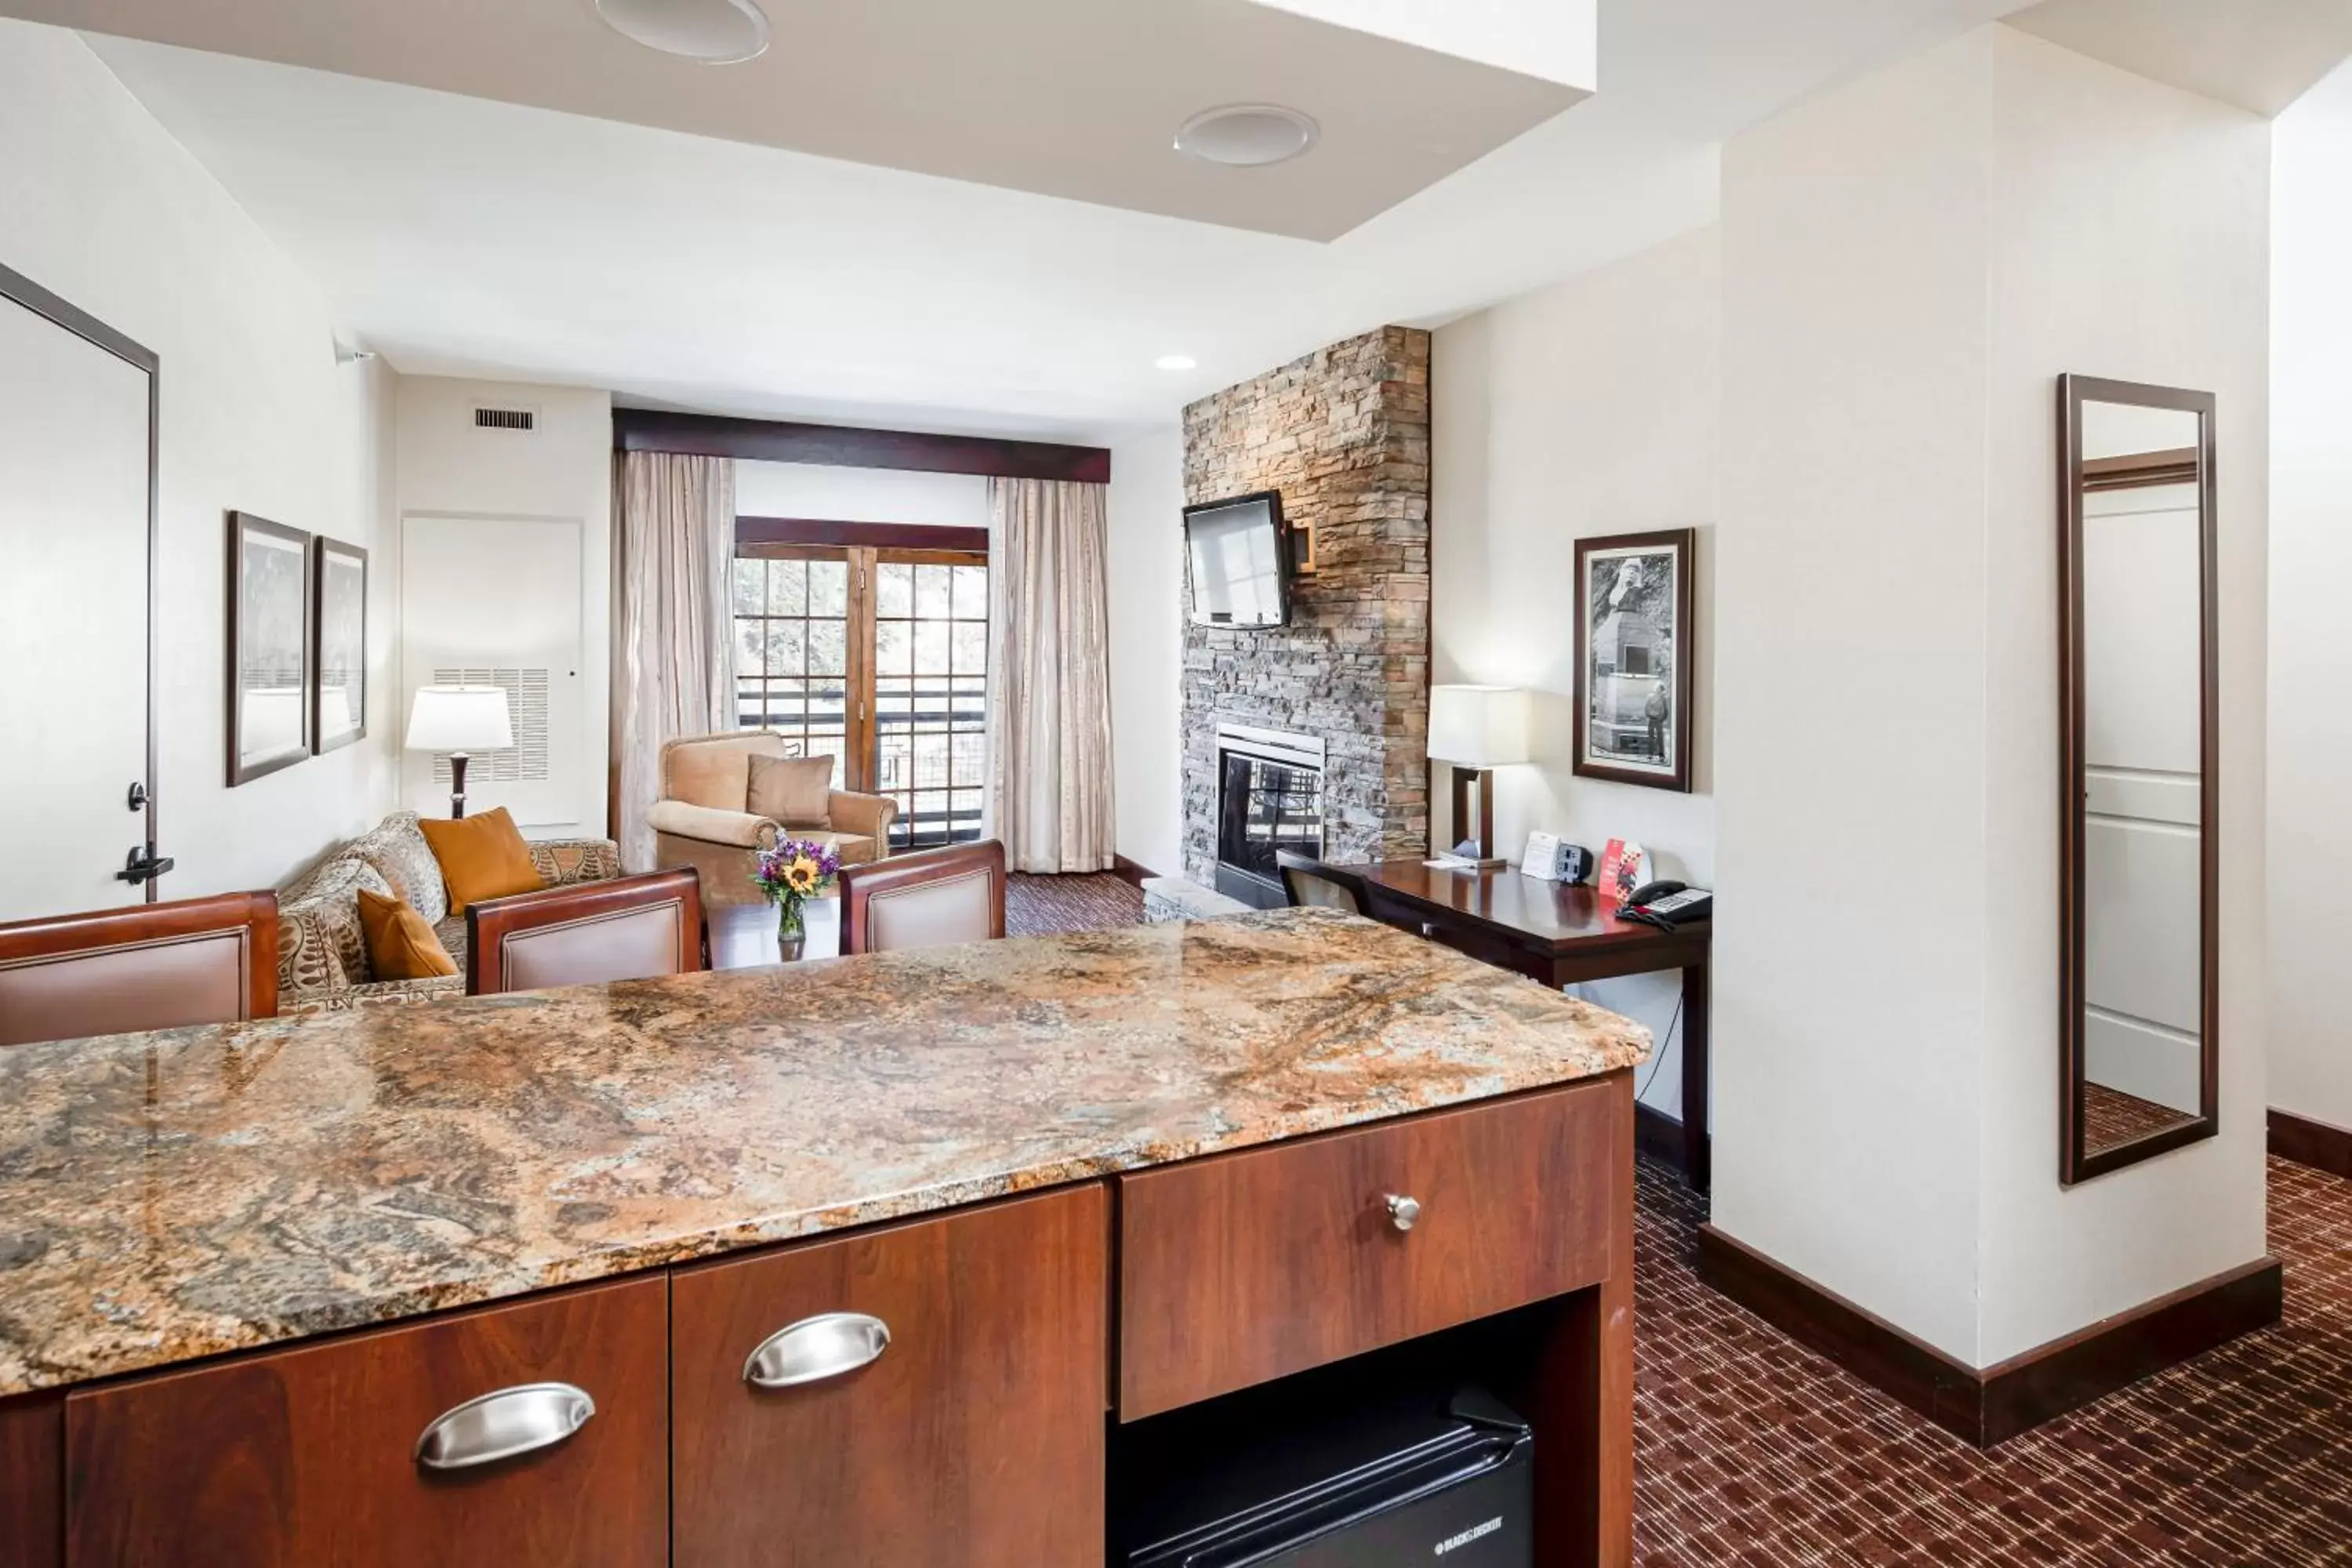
(864, 546)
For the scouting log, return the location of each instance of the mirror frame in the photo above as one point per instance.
(2077, 1163)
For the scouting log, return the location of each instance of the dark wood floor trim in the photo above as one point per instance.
(1130, 870)
(1993, 1405)
(2091, 1363)
(2309, 1143)
(1658, 1135)
(854, 446)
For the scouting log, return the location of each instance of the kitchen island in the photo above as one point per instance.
(975, 1207)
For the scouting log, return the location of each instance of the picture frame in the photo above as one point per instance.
(1634, 713)
(269, 670)
(339, 585)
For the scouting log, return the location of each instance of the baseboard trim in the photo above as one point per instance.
(1129, 870)
(1659, 1135)
(1992, 1405)
(2309, 1143)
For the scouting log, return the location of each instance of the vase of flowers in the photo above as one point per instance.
(791, 873)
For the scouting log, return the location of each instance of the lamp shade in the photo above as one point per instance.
(1477, 726)
(460, 719)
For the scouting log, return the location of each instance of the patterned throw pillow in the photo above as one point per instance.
(320, 941)
(565, 861)
(397, 849)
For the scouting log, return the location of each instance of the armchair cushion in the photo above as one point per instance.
(712, 826)
(715, 770)
(793, 791)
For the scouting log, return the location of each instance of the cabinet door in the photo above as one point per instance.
(975, 1438)
(308, 1458)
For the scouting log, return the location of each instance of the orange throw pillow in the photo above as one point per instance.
(481, 858)
(400, 945)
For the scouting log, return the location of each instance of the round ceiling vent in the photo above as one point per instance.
(1247, 136)
(712, 32)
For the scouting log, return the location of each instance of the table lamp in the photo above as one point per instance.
(1477, 729)
(458, 720)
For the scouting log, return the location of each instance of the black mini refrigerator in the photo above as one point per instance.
(1433, 1481)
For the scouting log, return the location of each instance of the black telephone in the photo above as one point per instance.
(1667, 905)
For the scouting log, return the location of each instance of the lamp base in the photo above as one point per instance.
(457, 786)
(1473, 790)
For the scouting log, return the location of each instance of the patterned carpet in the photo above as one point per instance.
(1752, 1450)
(1039, 906)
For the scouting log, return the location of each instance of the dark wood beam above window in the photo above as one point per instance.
(756, 530)
(853, 447)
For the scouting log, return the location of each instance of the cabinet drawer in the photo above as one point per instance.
(973, 1437)
(1242, 1267)
(310, 1456)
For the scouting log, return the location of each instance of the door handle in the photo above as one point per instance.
(142, 864)
(503, 1425)
(816, 1348)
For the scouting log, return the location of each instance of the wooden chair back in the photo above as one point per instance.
(144, 966)
(631, 927)
(932, 897)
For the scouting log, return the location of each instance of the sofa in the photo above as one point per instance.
(703, 819)
(322, 963)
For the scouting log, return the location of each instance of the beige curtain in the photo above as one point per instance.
(674, 529)
(1049, 769)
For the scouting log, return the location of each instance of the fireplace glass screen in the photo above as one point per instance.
(1264, 806)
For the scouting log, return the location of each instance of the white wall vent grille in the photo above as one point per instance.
(525, 762)
(521, 420)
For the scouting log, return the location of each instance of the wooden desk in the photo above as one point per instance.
(1559, 935)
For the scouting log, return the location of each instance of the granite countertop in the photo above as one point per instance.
(170, 1195)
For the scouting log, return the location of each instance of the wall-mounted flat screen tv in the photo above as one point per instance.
(1239, 551)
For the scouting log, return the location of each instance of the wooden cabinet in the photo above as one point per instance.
(1245, 1268)
(308, 1458)
(975, 1438)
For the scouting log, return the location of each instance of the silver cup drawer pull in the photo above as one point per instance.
(502, 1426)
(1404, 1210)
(816, 1348)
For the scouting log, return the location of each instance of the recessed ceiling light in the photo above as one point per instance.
(712, 32)
(1176, 361)
(1247, 136)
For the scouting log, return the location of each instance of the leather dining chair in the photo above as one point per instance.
(1307, 880)
(934, 897)
(631, 927)
(144, 966)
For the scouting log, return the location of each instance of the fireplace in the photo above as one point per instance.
(1269, 797)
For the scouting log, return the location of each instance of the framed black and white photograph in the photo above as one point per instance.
(268, 646)
(1633, 657)
(338, 644)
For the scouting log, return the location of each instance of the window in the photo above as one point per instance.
(792, 650)
(878, 658)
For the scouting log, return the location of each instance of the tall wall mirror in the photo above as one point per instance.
(2139, 860)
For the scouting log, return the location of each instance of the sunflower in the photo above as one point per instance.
(802, 875)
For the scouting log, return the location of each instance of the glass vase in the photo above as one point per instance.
(792, 932)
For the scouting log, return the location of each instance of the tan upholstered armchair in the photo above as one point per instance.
(704, 819)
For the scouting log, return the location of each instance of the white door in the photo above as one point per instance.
(73, 619)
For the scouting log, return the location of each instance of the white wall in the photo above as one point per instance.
(1850, 681)
(1146, 562)
(2310, 582)
(100, 205)
(859, 495)
(2132, 239)
(563, 471)
(1887, 1002)
(1590, 407)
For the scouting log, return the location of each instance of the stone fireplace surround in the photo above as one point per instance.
(1343, 434)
